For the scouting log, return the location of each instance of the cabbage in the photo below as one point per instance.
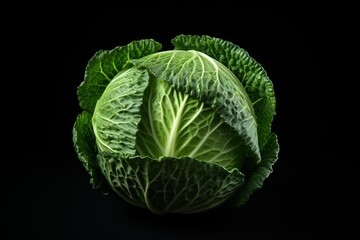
(177, 131)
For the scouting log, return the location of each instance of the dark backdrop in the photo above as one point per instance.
(50, 194)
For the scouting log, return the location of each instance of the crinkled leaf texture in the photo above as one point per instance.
(210, 82)
(99, 72)
(256, 178)
(170, 185)
(85, 146)
(251, 74)
(105, 65)
(179, 131)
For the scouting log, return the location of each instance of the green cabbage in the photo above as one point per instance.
(178, 131)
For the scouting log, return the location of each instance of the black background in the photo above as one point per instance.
(50, 196)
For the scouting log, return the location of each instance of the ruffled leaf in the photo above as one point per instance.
(105, 65)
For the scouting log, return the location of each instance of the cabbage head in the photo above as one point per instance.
(176, 131)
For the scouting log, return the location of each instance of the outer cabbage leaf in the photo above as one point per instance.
(105, 65)
(169, 185)
(117, 112)
(101, 68)
(173, 124)
(253, 77)
(256, 179)
(209, 81)
(85, 147)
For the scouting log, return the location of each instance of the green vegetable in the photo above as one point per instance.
(179, 131)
